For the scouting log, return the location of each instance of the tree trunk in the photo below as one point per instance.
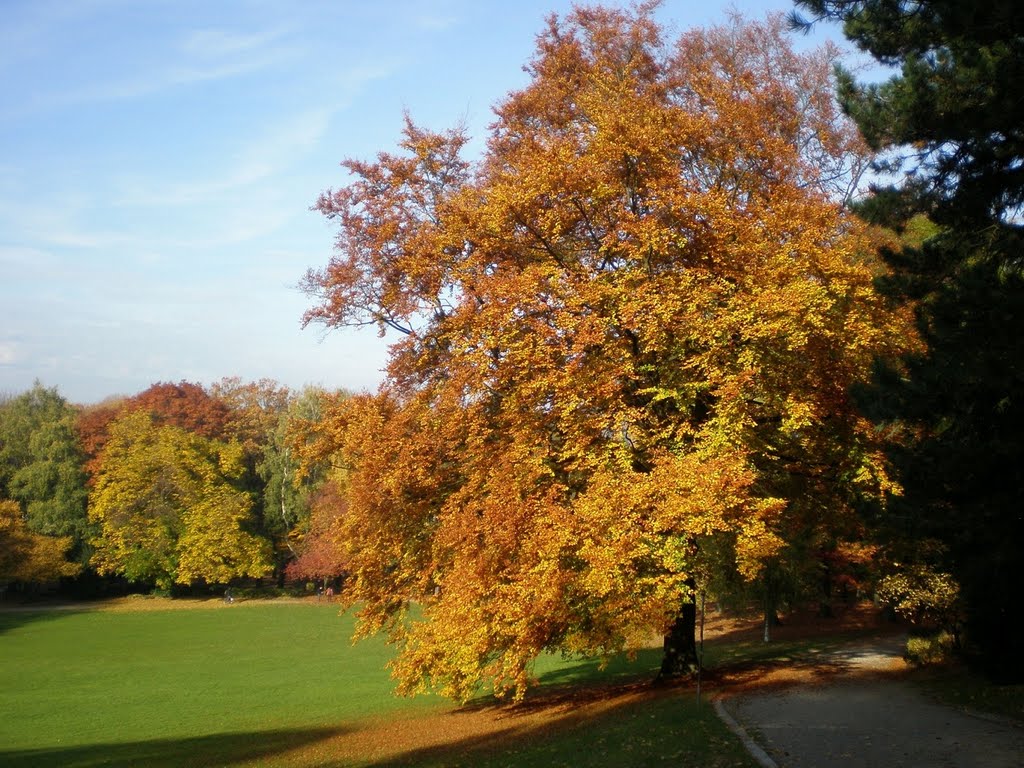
(771, 616)
(680, 654)
(825, 609)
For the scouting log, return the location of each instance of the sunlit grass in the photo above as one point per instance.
(280, 684)
(79, 678)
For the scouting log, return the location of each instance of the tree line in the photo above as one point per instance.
(179, 485)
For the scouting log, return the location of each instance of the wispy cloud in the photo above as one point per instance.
(222, 43)
(193, 57)
(434, 21)
(55, 223)
(153, 82)
(260, 158)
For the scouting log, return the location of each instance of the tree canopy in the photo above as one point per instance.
(41, 465)
(167, 510)
(629, 331)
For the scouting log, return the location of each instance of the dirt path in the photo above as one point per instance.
(860, 718)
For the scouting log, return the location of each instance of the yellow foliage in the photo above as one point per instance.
(166, 508)
(27, 556)
(630, 332)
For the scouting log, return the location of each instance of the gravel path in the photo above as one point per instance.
(868, 723)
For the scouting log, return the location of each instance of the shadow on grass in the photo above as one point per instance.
(13, 617)
(199, 752)
(632, 726)
(621, 668)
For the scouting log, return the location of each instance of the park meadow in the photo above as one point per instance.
(156, 682)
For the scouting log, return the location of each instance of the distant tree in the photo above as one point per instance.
(185, 405)
(320, 548)
(950, 117)
(630, 333)
(254, 409)
(28, 557)
(92, 427)
(288, 492)
(167, 510)
(41, 465)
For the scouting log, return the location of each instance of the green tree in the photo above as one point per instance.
(168, 510)
(41, 465)
(287, 491)
(951, 117)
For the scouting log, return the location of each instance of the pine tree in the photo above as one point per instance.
(953, 120)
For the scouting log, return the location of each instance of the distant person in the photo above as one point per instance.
(228, 597)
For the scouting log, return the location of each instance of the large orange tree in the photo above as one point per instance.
(627, 337)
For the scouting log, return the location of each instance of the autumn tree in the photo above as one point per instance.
(253, 409)
(319, 550)
(629, 331)
(29, 557)
(948, 116)
(167, 508)
(185, 405)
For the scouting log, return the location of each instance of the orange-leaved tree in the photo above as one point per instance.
(628, 337)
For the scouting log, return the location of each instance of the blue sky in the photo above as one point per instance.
(158, 161)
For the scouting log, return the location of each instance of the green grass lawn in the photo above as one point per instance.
(272, 684)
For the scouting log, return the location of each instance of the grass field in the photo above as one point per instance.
(279, 684)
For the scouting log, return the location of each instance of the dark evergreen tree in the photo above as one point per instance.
(952, 118)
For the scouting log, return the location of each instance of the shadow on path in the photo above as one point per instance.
(845, 707)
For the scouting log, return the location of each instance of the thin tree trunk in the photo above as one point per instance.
(771, 616)
(825, 609)
(680, 651)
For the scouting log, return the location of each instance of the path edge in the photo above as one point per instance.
(762, 757)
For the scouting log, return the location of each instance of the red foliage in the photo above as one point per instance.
(185, 405)
(321, 555)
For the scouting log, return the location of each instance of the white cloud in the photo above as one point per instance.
(52, 224)
(435, 22)
(199, 56)
(8, 353)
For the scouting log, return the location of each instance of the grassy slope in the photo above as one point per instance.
(280, 684)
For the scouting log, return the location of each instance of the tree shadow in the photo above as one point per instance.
(614, 725)
(13, 617)
(199, 752)
(643, 664)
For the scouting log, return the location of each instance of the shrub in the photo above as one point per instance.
(930, 649)
(925, 597)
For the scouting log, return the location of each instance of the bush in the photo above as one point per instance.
(931, 649)
(925, 597)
